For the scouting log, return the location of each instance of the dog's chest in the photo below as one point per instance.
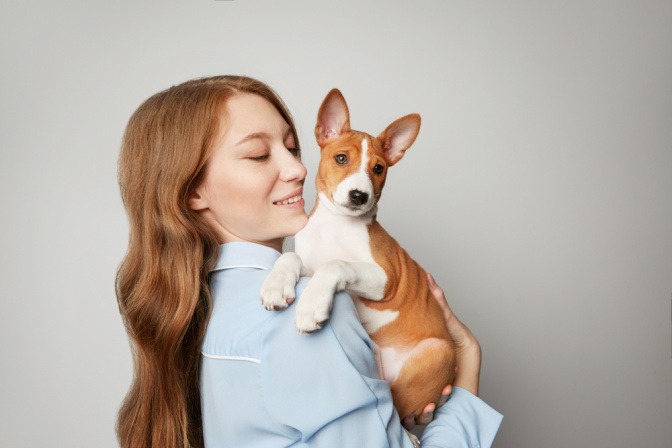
(332, 237)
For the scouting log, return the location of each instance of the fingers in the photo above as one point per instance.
(408, 422)
(445, 394)
(440, 297)
(425, 418)
(428, 412)
(427, 415)
(457, 330)
(467, 348)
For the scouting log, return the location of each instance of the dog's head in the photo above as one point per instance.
(354, 164)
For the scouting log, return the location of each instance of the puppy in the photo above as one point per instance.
(343, 247)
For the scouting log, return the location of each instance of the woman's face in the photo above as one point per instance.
(253, 184)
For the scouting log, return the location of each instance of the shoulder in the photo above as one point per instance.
(236, 317)
(240, 326)
(342, 335)
(332, 365)
(304, 381)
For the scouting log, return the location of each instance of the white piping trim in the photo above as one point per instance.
(237, 266)
(234, 266)
(232, 358)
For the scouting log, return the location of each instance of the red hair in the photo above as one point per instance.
(162, 283)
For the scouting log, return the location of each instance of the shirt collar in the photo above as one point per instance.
(245, 255)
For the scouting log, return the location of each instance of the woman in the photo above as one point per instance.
(211, 178)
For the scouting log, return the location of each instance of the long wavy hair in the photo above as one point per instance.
(162, 283)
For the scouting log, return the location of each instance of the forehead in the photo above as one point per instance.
(353, 140)
(247, 113)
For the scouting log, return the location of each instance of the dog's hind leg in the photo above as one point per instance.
(427, 370)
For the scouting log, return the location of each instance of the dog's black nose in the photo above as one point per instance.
(358, 197)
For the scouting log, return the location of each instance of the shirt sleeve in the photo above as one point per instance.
(324, 389)
(464, 421)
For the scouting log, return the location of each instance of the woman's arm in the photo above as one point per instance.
(325, 387)
(464, 420)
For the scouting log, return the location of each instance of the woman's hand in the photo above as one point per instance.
(428, 412)
(468, 353)
(467, 348)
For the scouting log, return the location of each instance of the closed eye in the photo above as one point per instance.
(261, 158)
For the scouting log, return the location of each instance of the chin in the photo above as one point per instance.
(298, 224)
(290, 227)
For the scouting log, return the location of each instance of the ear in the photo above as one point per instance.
(399, 136)
(333, 118)
(196, 200)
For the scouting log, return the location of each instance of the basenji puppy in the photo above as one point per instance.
(343, 247)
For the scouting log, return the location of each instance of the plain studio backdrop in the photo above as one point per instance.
(539, 192)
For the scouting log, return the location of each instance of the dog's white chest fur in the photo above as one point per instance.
(329, 236)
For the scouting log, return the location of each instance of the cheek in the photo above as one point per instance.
(233, 192)
(378, 183)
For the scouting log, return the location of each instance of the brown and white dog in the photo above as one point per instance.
(344, 247)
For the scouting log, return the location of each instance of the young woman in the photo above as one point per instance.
(211, 178)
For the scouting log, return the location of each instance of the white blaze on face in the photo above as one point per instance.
(359, 180)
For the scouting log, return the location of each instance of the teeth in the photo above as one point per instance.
(290, 200)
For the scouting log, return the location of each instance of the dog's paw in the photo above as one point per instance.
(313, 309)
(277, 291)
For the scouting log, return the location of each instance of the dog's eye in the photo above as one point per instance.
(378, 169)
(341, 159)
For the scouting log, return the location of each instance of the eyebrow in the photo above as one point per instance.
(262, 136)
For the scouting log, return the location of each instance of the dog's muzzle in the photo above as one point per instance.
(358, 197)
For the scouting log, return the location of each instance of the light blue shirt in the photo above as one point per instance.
(265, 385)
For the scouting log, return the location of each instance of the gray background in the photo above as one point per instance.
(539, 192)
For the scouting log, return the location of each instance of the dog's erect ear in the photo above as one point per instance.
(399, 136)
(333, 119)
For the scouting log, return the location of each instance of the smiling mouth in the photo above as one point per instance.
(291, 200)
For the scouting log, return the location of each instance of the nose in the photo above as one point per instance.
(292, 169)
(358, 197)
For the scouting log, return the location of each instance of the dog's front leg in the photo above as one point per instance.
(278, 290)
(363, 279)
